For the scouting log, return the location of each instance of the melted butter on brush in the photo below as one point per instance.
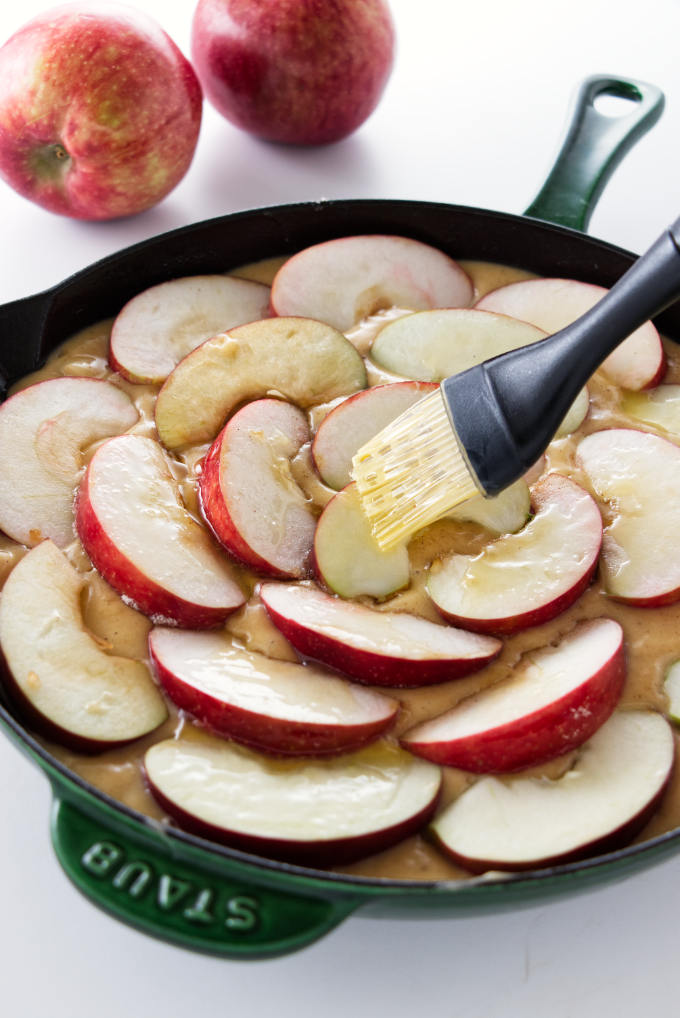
(412, 472)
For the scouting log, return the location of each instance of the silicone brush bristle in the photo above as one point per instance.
(412, 472)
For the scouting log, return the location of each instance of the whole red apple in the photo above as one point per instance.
(99, 111)
(297, 71)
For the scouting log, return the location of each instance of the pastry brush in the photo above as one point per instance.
(484, 427)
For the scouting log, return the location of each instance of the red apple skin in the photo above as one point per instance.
(303, 72)
(275, 736)
(99, 113)
(333, 852)
(219, 519)
(130, 582)
(543, 735)
(373, 669)
(535, 617)
(622, 836)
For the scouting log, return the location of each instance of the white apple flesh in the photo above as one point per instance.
(381, 648)
(143, 541)
(310, 812)
(44, 431)
(658, 407)
(304, 361)
(249, 496)
(347, 558)
(356, 420)
(502, 514)
(433, 345)
(274, 706)
(61, 678)
(601, 803)
(345, 280)
(553, 701)
(637, 476)
(523, 579)
(551, 304)
(672, 690)
(161, 325)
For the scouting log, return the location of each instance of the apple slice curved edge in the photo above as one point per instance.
(316, 813)
(380, 648)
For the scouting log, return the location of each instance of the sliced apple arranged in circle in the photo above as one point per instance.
(659, 407)
(600, 804)
(274, 706)
(60, 677)
(503, 514)
(161, 325)
(304, 361)
(551, 304)
(554, 700)
(248, 494)
(347, 558)
(380, 648)
(526, 578)
(44, 430)
(638, 475)
(345, 280)
(672, 690)
(302, 811)
(356, 420)
(432, 345)
(138, 535)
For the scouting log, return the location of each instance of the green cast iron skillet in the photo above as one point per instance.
(190, 891)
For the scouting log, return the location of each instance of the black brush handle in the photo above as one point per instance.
(506, 410)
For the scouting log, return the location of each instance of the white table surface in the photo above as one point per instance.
(473, 114)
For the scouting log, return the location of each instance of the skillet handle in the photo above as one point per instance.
(594, 146)
(187, 897)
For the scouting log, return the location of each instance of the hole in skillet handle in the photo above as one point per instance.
(613, 102)
(596, 141)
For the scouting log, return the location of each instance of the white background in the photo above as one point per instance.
(473, 114)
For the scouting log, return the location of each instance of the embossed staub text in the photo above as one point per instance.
(139, 879)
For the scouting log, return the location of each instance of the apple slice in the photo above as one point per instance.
(44, 431)
(380, 648)
(356, 420)
(672, 690)
(161, 325)
(142, 540)
(344, 280)
(432, 345)
(599, 804)
(274, 706)
(304, 361)
(553, 701)
(551, 304)
(248, 494)
(313, 812)
(638, 475)
(526, 578)
(61, 679)
(502, 514)
(659, 407)
(347, 558)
